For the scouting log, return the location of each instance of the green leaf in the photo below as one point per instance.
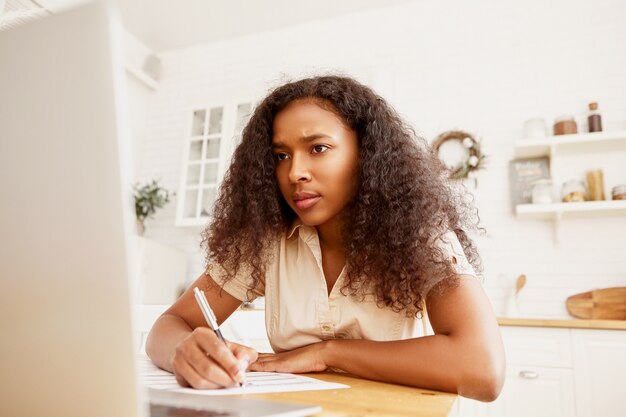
(149, 198)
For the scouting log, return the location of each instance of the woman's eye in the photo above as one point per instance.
(281, 156)
(320, 148)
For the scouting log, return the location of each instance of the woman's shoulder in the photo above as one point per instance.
(452, 250)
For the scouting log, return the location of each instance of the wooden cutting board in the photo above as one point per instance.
(603, 304)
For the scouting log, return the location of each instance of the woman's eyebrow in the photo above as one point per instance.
(307, 138)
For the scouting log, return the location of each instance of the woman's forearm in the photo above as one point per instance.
(180, 320)
(437, 362)
(165, 335)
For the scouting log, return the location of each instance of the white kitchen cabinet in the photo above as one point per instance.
(159, 272)
(248, 328)
(539, 378)
(600, 372)
(212, 135)
(535, 391)
(537, 346)
(559, 372)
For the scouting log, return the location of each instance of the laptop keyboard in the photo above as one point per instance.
(158, 410)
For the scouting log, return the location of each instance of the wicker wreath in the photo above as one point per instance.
(475, 158)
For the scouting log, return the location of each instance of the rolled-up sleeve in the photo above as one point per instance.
(452, 251)
(240, 286)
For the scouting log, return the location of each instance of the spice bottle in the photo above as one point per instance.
(594, 119)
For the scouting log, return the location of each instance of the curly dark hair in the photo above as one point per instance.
(402, 205)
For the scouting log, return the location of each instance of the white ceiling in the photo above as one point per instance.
(172, 24)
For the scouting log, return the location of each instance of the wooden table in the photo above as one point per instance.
(369, 398)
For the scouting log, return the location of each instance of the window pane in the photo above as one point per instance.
(195, 150)
(208, 199)
(215, 120)
(191, 200)
(213, 148)
(210, 173)
(193, 174)
(243, 111)
(199, 117)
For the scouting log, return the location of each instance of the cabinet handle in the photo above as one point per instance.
(528, 374)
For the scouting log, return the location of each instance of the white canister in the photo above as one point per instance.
(535, 128)
(542, 192)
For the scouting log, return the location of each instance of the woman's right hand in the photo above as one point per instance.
(203, 361)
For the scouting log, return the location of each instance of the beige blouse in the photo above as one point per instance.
(298, 309)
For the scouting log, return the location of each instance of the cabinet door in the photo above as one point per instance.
(600, 369)
(210, 139)
(466, 407)
(545, 347)
(535, 391)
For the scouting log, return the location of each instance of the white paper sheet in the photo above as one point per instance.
(256, 382)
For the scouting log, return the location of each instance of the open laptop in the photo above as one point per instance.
(65, 213)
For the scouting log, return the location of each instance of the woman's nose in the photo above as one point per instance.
(299, 171)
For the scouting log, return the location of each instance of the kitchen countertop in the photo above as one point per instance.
(538, 322)
(564, 323)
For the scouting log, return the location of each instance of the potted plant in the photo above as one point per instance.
(148, 198)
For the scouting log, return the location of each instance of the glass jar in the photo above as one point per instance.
(619, 192)
(565, 125)
(573, 191)
(535, 128)
(542, 192)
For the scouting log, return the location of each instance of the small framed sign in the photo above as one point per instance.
(522, 175)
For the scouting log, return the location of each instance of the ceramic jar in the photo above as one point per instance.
(542, 192)
(565, 125)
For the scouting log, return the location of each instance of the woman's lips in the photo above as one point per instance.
(305, 203)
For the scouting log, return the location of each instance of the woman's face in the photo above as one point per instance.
(316, 161)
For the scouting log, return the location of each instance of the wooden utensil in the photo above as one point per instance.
(602, 304)
(521, 281)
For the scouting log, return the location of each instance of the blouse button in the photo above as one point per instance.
(326, 327)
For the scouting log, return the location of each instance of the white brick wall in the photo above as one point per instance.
(483, 66)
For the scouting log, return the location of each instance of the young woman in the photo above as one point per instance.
(344, 220)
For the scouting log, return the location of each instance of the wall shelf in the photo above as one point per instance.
(557, 211)
(564, 144)
(578, 144)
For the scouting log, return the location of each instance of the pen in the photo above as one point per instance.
(210, 318)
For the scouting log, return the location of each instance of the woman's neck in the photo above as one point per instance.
(330, 234)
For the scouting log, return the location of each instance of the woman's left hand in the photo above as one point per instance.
(298, 361)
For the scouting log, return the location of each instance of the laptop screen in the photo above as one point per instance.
(65, 216)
